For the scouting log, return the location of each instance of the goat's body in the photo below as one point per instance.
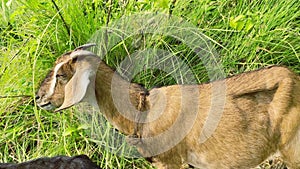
(233, 123)
(258, 117)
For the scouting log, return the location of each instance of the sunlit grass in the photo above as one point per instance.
(246, 34)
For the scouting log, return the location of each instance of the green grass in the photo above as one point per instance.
(246, 34)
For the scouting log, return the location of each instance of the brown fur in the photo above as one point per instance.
(64, 74)
(259, 116)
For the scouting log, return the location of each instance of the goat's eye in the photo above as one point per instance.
(61, 76)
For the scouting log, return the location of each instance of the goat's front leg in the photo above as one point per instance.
(169, 161)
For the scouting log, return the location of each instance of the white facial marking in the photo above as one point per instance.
(53, 82)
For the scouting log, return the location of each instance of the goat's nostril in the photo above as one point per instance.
(37, 97)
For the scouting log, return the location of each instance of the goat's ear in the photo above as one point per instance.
(76, 88)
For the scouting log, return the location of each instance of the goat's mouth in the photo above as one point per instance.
(47, 106)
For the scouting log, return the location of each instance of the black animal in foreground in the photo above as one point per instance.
(58, 162)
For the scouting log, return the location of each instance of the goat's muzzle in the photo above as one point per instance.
(46, 105)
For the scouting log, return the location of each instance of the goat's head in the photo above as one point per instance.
(68, 81)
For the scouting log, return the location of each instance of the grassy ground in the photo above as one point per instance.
(246, 35)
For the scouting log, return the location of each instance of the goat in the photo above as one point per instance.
(259, 113)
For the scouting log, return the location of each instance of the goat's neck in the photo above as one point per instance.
(112, 92)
